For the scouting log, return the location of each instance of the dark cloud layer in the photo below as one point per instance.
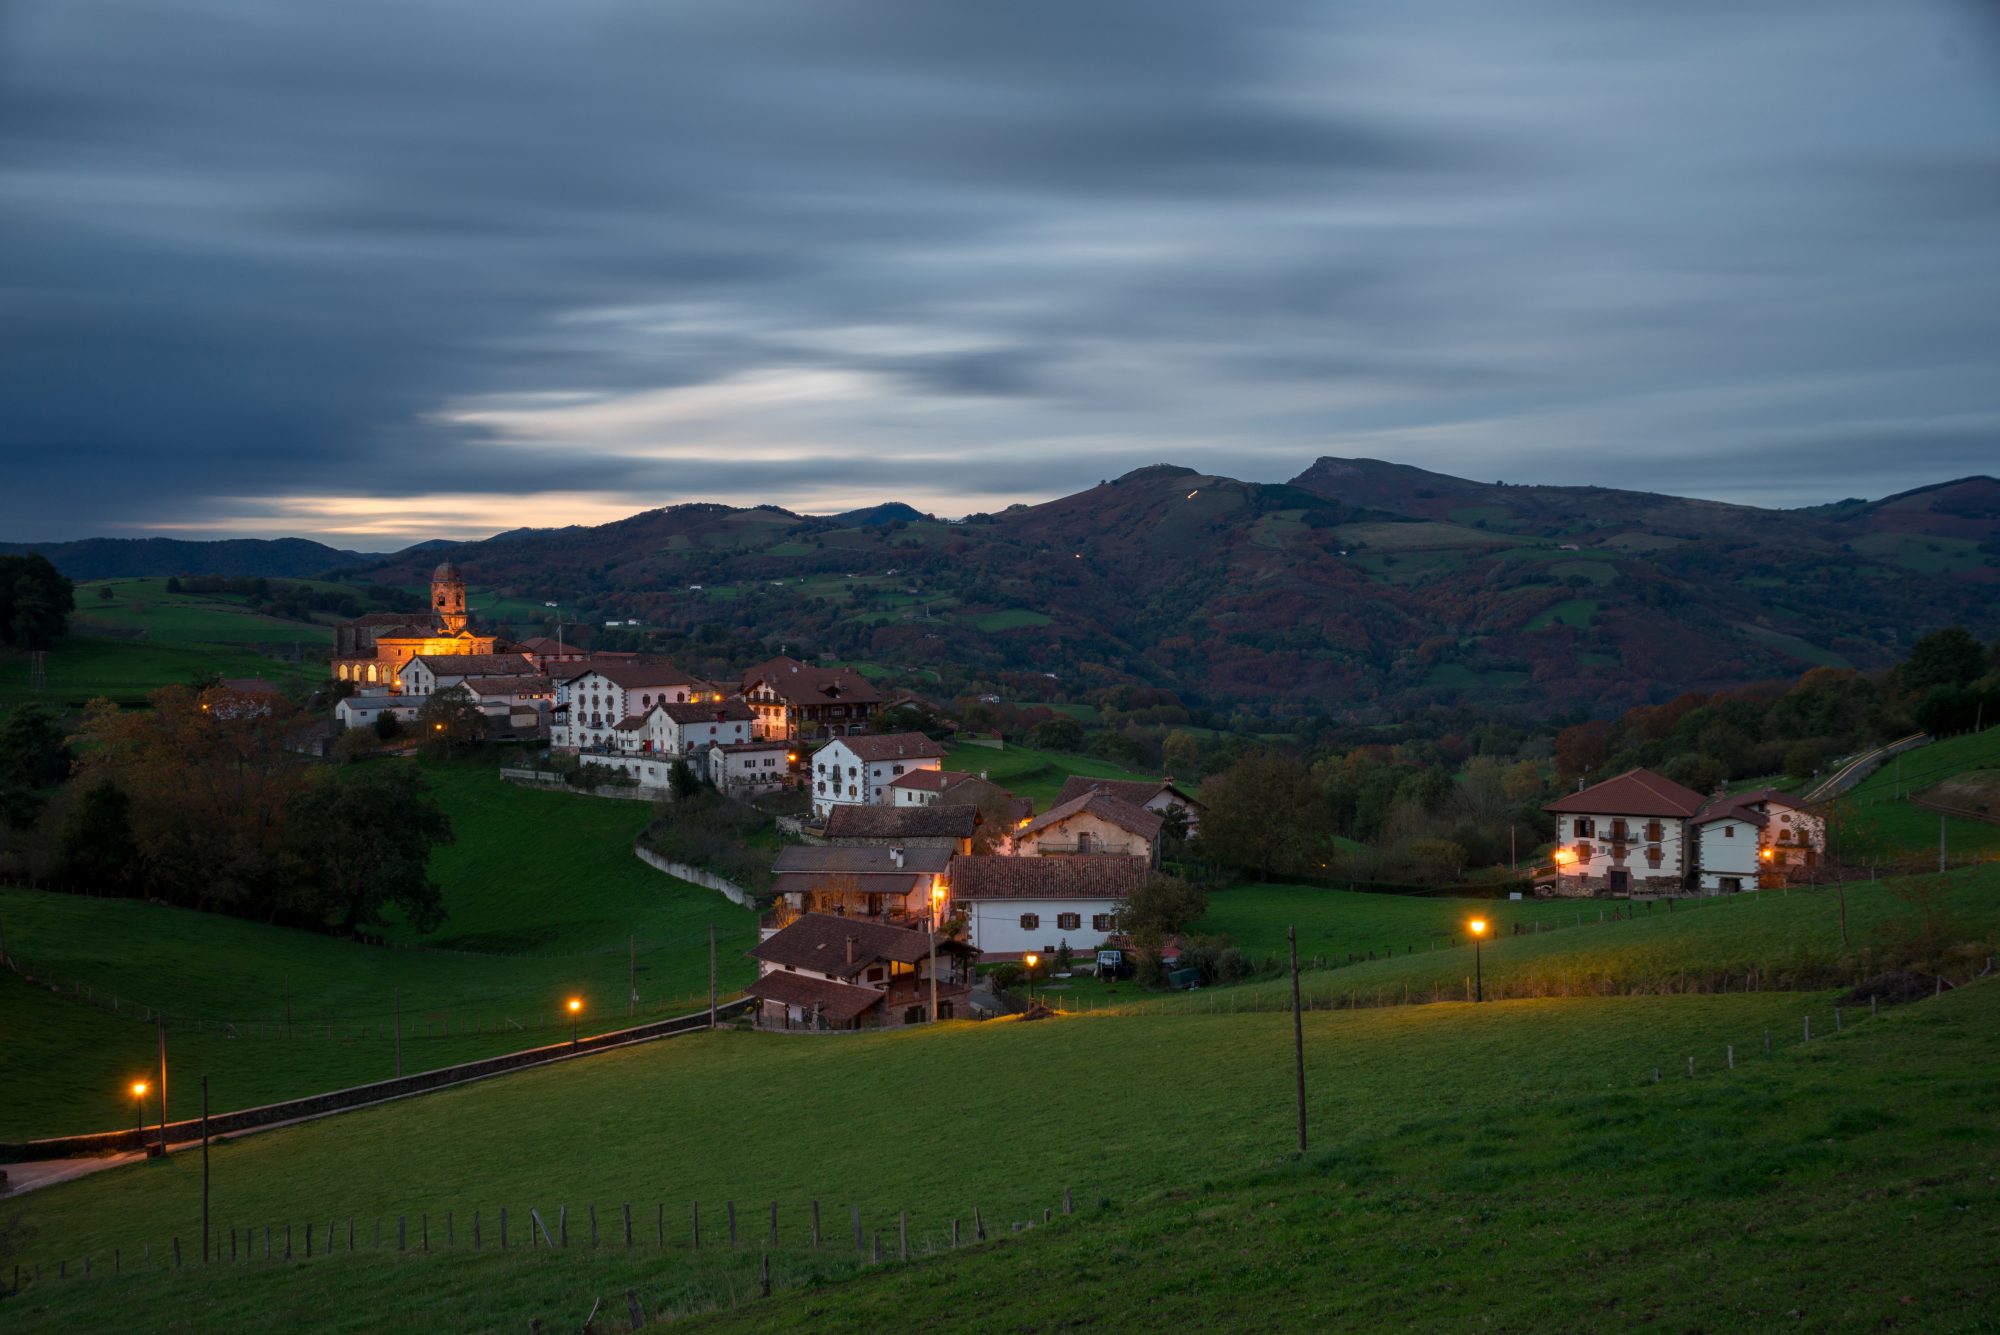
(405, 268)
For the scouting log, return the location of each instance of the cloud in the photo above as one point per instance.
(441, 266)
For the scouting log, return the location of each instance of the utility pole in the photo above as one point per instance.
(163, 1086)
(632, 975)
(1298, 1036)
(288, 1005)
(1940, 841)
(711, 975)
(204, 1171)
(934, 927)
(399, 1033)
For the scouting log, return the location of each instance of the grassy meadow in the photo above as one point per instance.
(1037, 775)
(1883, 824)
(532, 918)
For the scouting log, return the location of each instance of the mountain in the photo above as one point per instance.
(889, 512)
(132, 558)
(1358, 589)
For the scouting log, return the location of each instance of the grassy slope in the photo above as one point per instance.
(1809, 1192)
(1033, 774)
(1336, 923)
(145, 607)
(126, 670)
(1785, 936)
(1887, 827)
(929, 1121)
(549, 875)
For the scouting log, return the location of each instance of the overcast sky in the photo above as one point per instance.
(381, 270)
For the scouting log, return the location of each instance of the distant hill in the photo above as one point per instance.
(1360, 589)
(135, 558)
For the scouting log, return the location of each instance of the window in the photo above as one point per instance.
(944, 1010)
(1103, 922)
(875, 974)
(914, 1015)
(1653, 831)
(1618, 833)
(1653, 855)
(1583, 852)
(1729, 832)
(1030, 921)
(1585, 827)
(1069, 922)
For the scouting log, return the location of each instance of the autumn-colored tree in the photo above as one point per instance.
(1583, 748)
(1263, 814)
(450, 718)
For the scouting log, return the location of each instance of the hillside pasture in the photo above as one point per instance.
(1037, 775)
(81, 668)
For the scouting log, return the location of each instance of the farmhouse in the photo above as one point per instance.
(593, 697)
(901, 886)
(949, 826)
(687, 729)
(1015, 905)
(828, 972)
(794, 701)
(1755, 839)
(1095, 822)
(1624, 834)
(1161, 798)
(860, 769)
(361, 711)
(427, 674)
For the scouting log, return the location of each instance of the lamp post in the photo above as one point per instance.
(1478, 926)
(1563, 858)
(139, 1110)
(575, 1014)
(937, 907)
(1031, 959)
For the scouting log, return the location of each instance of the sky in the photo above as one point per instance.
(387, 270)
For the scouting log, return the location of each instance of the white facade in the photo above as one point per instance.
(756, 767)
(1756, 842)
(1620, 853)
(840, 776)
(1013, 926)
(1730, 850)
(591, 705)
(664, 734)
(361, 711)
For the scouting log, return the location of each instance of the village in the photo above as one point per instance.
(905, 876)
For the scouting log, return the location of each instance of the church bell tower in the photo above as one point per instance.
(448, 599)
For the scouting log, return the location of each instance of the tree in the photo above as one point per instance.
(1181, 754)
(363, 835)
(1583, 748)
(33, 750)
(35, 601)
(387, 726)
(1261, 814)
(681, 781)
(1158, 907)
(450, 718)
(1057, 734)
(94, 846)
(1948, 657)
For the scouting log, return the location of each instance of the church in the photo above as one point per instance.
(371, 650)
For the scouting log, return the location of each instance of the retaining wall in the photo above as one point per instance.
(707, 879)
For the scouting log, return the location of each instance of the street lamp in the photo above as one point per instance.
(139, 1110)
(1563, 858)
(937, 907)
(1031, 959)
(1478, 926)
(575, 1012)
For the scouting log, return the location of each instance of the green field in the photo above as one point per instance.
(144, 608)
(1335, 923)
(1793, 647)
(80, 668)
(1468, 1161)
(542, 893)
(1884, 825)
(1012, 618)
(1037, 775)
(1577, 612)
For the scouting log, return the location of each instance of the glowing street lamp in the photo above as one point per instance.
(139, 1110)
(1031, 959)
(1563, 858)
(1478, 927)
(575, 1008)
(937, 908)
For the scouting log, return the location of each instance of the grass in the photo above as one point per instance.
(144, 607)
(1336, 923)
(1012, 618)
(1420, 535)
(1778, 937)
(543, 885)
(1037, 775)
(1883, 825)
(1794, 647)
(82, 667)
(518, 1142)
(1577, 612)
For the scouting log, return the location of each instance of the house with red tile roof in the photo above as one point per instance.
(1160, 797)
(1092, 822)
(860, 769)
(1020, 904)
(823, 971)
(796, 701)
(1758, 838)
(1625, 834)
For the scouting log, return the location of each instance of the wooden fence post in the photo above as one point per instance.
(628, 1223)
(503, 1228)
(593, 1224)
(632, 1311)
(954, 1233)
(475, 1230)
(876, 1258)
(694, 1216)
(1731, 1048)
(732, 1222)
(660, 1223)
(978, 1226)
(903, 1234)
(815, 1225)
(765, 1286)
(177, 1254)
(402, 1232)
(562, 1223)
(1066, 1205)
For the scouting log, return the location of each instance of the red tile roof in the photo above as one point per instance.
(929, 780)
(1638, 792)
(891, 746)
(903, 883)
(695, 711)
(834, 1001)
(937, 820)
(818, 941)
(633, 675)
(1136, 791)
(857, 859)
(1117, 811)
(473, 665)
(803, 684)
(1088, 876)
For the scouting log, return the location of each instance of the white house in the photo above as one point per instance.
(1757, 838)
(860, 769)
(427, 674)
(1016, 905)
(361, 710)
(527, 690)
(1095, 822)
(824, 971)
(922, 787)
(592, 698)
(690, 729)
(749, 767)
(1626, 833)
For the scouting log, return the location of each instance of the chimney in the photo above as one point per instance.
(850, 948)
(896, 855)
(983, 774)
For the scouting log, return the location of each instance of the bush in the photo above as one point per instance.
(1233, 966)
(387, 726)
(1005, 977)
